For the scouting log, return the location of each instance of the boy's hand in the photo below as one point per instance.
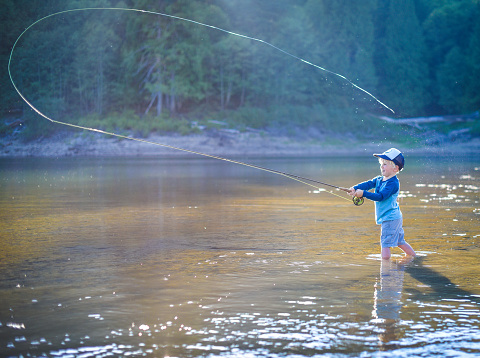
(351, 191)
(359, 193)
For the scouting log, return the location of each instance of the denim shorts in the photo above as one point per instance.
(392, 233)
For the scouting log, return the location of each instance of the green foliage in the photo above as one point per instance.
(128, 123)
(246, 117)
(452, 32)
(475, 129)
(402, 58)
(37, 127)
(140, 72)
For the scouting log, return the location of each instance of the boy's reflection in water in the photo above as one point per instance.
(388, 294)
(388, 298)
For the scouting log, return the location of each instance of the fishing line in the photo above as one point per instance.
(306, 181)
(201, 24)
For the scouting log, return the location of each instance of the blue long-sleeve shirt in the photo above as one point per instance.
(384, 196)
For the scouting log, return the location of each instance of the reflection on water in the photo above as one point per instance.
(387, 300)
(194, 257)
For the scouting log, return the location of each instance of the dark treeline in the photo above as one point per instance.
(420, 57)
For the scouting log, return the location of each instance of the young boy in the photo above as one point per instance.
(387, 211)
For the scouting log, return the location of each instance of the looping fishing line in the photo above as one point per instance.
(293, 177)
(197, 23)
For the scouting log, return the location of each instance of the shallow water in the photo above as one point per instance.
(197, 257)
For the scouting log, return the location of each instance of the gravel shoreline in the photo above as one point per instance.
(218, 143)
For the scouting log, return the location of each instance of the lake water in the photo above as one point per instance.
(199, 257)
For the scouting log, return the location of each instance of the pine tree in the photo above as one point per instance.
(401, 58)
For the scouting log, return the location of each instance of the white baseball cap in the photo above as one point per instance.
(394, 155)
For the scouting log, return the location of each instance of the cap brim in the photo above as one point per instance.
(383, 156)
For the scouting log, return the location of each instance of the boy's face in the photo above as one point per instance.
(388, 168)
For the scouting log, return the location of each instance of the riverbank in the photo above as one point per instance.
(218, 143)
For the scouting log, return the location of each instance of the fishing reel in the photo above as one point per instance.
(357, 201)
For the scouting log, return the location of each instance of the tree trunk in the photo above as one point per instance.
(229, 93)
(242, 96)
(222, 102)
(159, 103)
(172, 93)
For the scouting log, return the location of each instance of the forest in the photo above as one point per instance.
(129, 70)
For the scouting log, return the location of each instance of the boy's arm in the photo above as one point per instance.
(390, 188)
(358, 189)
(366, 185)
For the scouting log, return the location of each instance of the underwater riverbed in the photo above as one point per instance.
(199, 257)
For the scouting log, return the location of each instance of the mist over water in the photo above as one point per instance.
(197, 257)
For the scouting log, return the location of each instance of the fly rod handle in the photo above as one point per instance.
(356, 200)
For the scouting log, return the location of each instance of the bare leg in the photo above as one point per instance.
(407, 249)
(386, 253)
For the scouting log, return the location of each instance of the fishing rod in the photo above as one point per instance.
(307, 181)
(357, 201)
